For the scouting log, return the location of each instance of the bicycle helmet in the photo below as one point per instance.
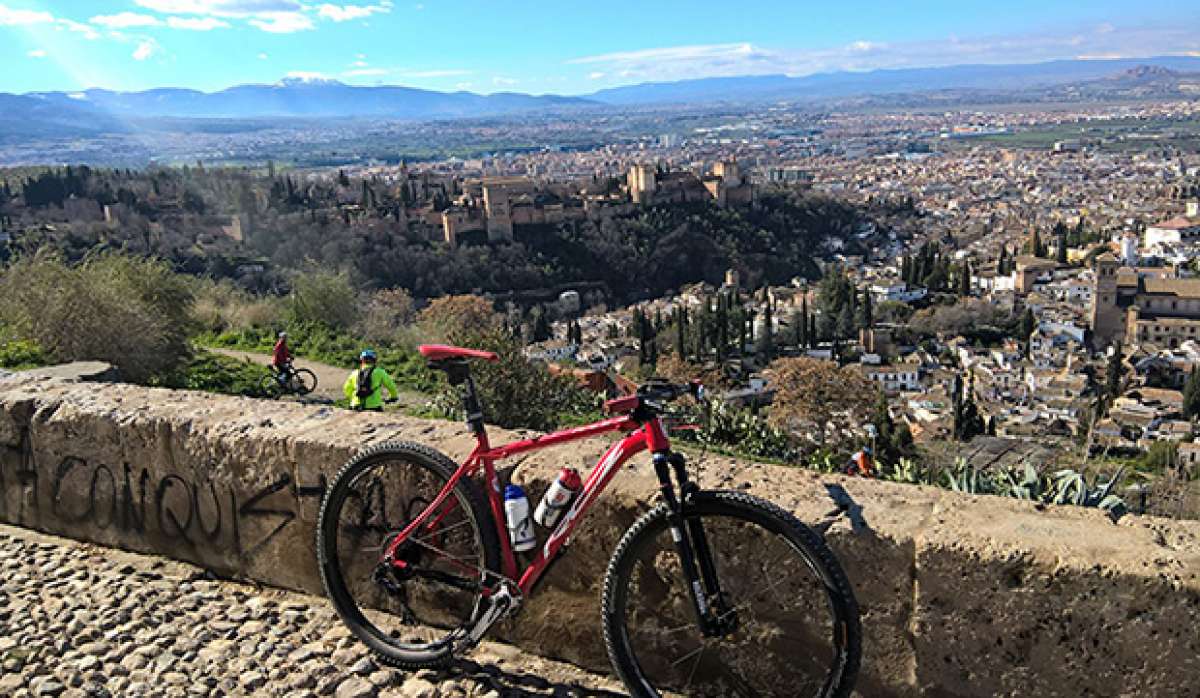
(367, 355)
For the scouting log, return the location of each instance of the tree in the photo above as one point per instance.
(387, 313)
(845, 323)
(968, 423)
(1025, 329)
(541, 326)
(1113, 373)
(449, 317)
(1191, 394)
(1060, 236)
(964, 279)
(323, 298)
(866, 312)
(803, 337)
(815, 398)
(766, 343)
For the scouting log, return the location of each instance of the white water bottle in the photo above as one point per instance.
(516, 515)
(557, 498)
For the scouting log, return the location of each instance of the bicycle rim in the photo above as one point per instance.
(305, 381)
(796, 631)
(410, 617)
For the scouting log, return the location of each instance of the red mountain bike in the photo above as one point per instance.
(710, 593)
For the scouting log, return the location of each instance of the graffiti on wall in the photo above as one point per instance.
(188, 511)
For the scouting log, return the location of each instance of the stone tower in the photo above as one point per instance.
(1107, 318)
(642, 182)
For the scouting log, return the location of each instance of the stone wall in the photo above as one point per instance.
(961, 596)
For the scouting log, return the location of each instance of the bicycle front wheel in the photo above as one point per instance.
(411, 613)
(792, 620)
(304, 381)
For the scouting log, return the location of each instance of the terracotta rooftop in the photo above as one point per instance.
(1178, 223)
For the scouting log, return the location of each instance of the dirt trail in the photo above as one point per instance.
(329, 378)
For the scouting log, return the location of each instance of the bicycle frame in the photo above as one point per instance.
(642, 436)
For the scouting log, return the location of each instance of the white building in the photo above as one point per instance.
(1173, 232)
(898, 291)
(894, 379)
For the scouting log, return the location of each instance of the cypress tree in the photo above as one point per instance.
(1191, 395)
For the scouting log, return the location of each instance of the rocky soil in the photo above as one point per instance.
(80, 620)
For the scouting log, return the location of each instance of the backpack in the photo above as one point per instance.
(364, 383)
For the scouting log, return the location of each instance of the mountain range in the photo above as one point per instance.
(81, 114)
(304, 98)
(1012, 77)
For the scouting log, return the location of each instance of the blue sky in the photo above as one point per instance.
(561, 47)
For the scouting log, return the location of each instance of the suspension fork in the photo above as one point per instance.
(691, 543)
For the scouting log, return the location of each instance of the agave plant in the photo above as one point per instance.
(1071, 487)
(1030, 485)
(966, 478)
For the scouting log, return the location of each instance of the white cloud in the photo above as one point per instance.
(671, 54)
(342, 13)
(596, 76)
(499, 80)
(723, 60)
(274, 16)
(78, 27)
(15, 17)
(146, 49)
(198, 24)
(282, 22)
(37, 53)
(263, 56)
(124, 20)
(228, 8)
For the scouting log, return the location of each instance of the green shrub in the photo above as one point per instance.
(16, 354)
(133, 313)
(517, 392)
(214, 373)
(323, 298)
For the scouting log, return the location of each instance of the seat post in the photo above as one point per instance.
(471, 406)
(459, 373)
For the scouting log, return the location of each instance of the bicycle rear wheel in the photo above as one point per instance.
(270, 387)
(411, 616)
(304, 381)
(795, 625)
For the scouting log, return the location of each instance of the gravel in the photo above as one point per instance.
(82, 621)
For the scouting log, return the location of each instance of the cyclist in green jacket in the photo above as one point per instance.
(364, 387)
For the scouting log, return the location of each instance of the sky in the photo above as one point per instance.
(542, 47)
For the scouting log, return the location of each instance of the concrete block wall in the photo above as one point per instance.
(961, 596)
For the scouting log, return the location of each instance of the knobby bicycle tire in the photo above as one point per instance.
(442, 467)
(846, 643)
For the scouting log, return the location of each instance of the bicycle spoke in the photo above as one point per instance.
(768, 606)
(432, 591)
(692, 673)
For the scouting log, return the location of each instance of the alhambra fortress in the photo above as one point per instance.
(492, 206)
